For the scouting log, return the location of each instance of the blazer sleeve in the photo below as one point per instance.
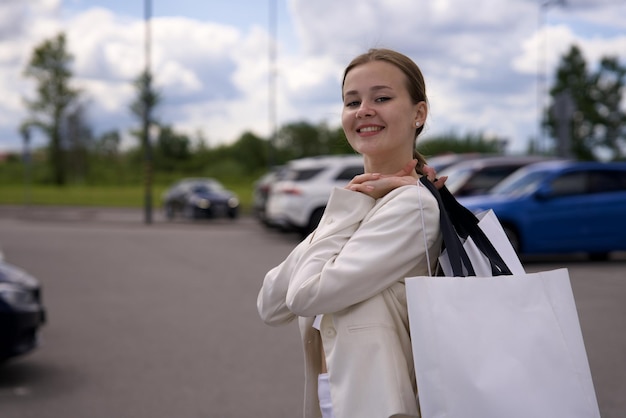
(347, 208)
(352, 257)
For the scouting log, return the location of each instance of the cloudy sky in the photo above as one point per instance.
(484, 60)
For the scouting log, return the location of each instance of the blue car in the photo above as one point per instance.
(561, 207)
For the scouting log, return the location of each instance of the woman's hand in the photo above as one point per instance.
(377, 185)
(431, 174)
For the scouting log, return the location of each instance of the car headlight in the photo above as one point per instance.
(233, 202)
(203, 203)
(15, 296)
(200, 202)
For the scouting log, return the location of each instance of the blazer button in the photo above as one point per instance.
(330, 332)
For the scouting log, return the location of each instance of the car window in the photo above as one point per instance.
(486, 178)
(205, 188)
(607, 181)
(302, 174)
(456, 177)
(348, 173)
(519, 183)
(570, 184)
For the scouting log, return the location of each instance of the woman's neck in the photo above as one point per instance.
(387, 166)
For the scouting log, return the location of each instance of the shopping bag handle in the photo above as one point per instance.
(451, 241)
(465, 224)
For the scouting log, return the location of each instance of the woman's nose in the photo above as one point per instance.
(364, 111)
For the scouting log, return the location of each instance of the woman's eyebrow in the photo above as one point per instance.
(373, 88)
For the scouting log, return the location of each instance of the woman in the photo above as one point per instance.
(345, 281)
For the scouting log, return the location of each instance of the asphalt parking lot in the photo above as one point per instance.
(160, 320)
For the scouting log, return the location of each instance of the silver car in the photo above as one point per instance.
(478, 176)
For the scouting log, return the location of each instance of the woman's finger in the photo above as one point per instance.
(440, 182)
(430, 172)
(362, 178)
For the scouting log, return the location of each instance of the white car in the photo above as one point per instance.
(297, 202)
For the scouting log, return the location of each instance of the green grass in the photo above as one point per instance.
(98, 196)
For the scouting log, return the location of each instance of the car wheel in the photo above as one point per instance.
(233, 214)
(604, 256)
(513, 237)
(190, 212)
(169, 212)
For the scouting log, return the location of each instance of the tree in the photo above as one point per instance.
(171, 149)
(143, 107)
(337, 142)
(49, 65)
(79, 141)
(146, 101)
(597, 120)
(452, 142)
(108, 144)
(251, 152)
(607, 86)
(302, 139)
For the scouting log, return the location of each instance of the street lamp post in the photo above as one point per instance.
(147, 118)
(272, 82)
(542, 67)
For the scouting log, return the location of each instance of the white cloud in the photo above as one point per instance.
(481, 68)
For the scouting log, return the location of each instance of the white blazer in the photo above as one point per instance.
(352, 270)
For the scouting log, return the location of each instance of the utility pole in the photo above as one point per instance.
(147, 107)
(272, 83)
(542, 68)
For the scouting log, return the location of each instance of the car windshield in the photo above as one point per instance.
(519, 183)
(207, 187)
(456, 177)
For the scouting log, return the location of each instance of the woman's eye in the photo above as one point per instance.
(383, 99)
(352, 104)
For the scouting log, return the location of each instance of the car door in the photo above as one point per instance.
(604, 210)
(584, 212)
(556, 222)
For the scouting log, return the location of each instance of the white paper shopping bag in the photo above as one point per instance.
(492, 228)
(499, 347)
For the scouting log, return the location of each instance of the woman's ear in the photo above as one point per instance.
(421, 112)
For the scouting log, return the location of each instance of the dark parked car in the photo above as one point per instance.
(478, 175)
(22, 313)
(196, 198)
(561, 207)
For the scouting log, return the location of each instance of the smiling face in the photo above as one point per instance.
(379, 116)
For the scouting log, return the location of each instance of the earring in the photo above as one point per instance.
(417, 124)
